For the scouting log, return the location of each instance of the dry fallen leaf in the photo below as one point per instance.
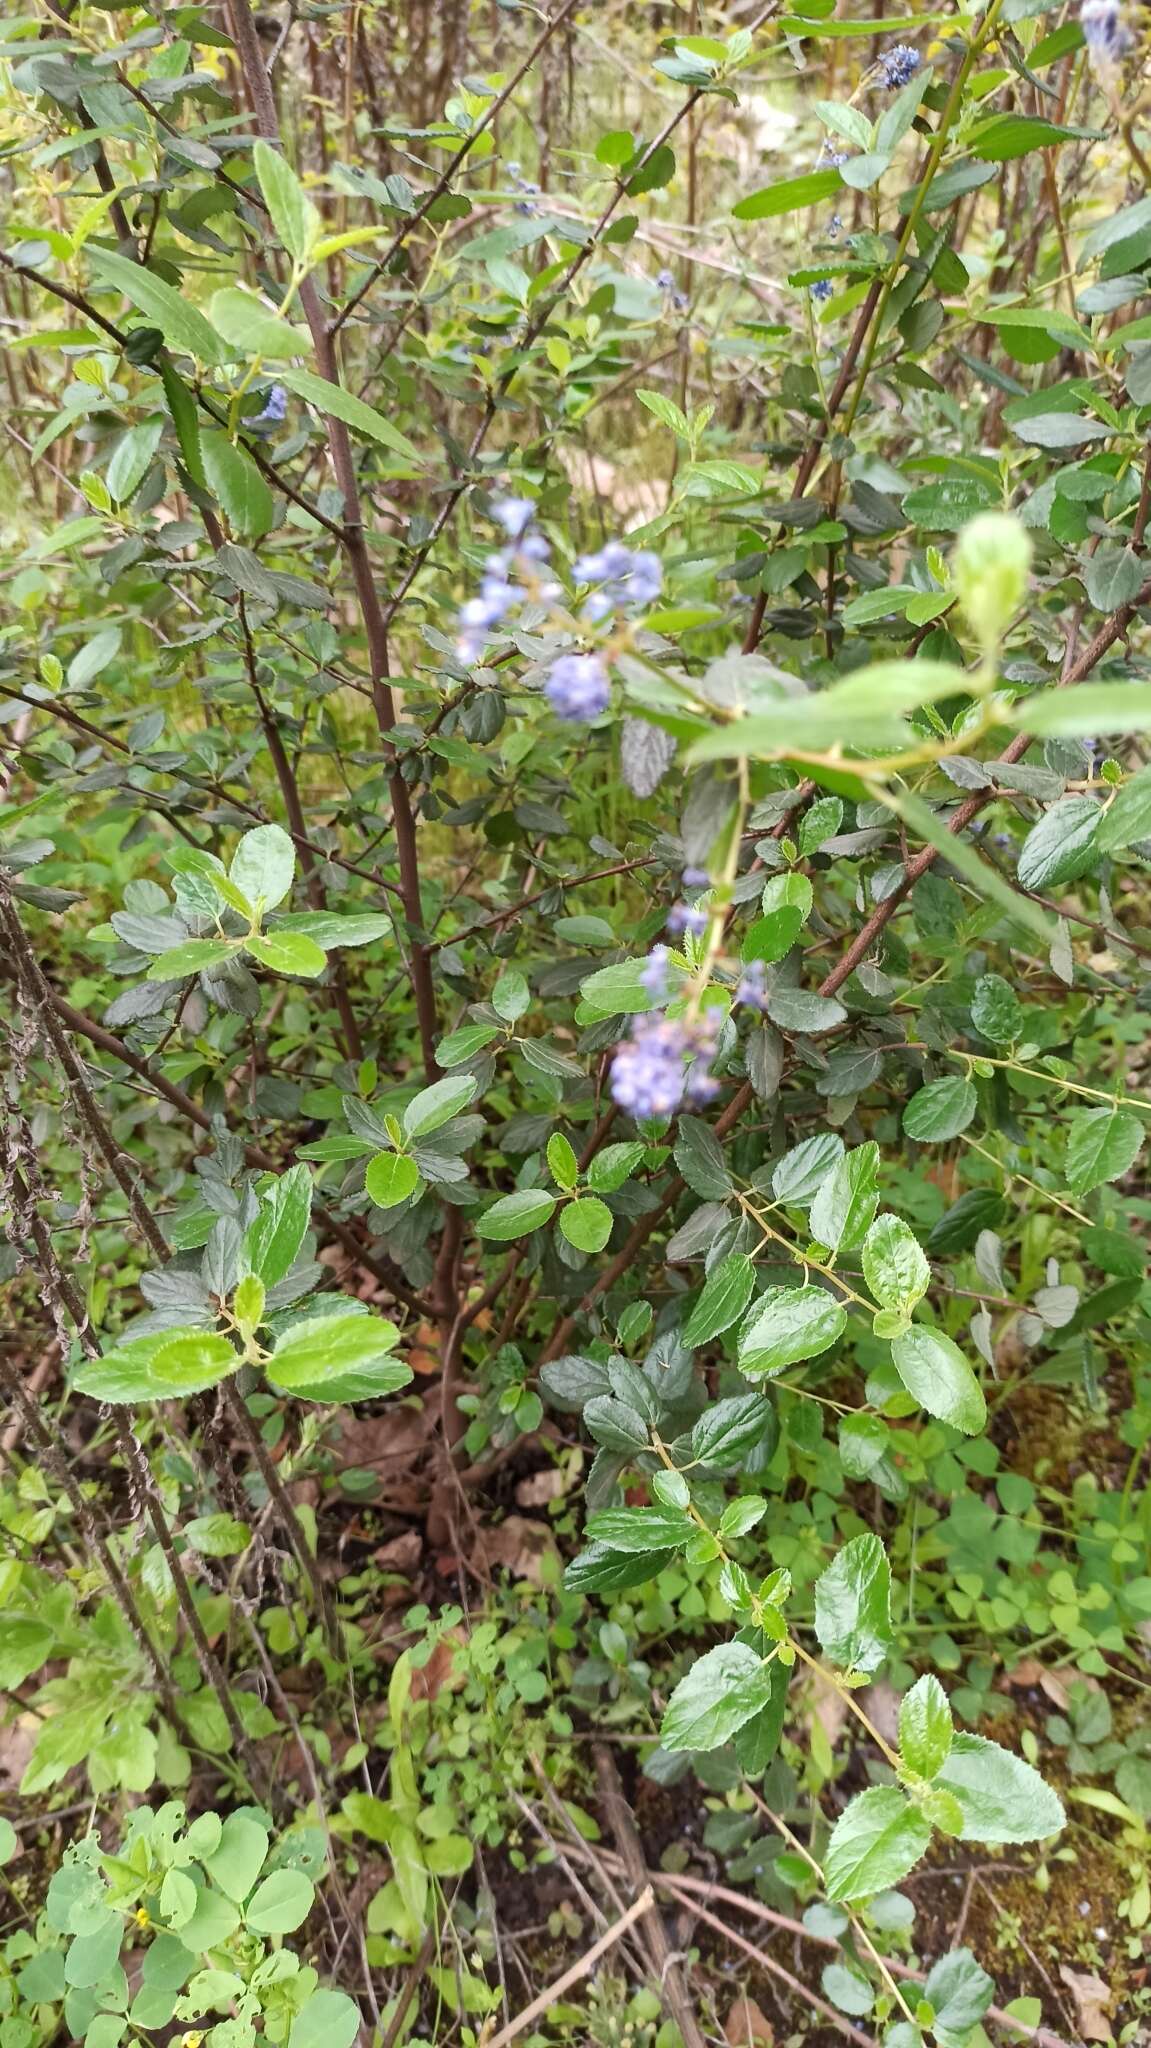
(746, 2026)
(1092, 2002)
(880, 1703)
(827, 1706)
(539, 1487)
(519, 1546)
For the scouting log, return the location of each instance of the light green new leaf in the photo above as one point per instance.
(516, 1215)
(338, 1358)
(253, 328)
(789, 1324)
(263, 865)
(853, 1605)
(437, 1105)
(391, 1178)
(721, 1691)
(847, 1200)
(1002, 1798)
(925, 1727)
(160, 1368)
(1102, 1144)
(586, 1223)
(894, 1263)
(937, 1375)
(274, 1240)
(875, 1842)
(288, 953)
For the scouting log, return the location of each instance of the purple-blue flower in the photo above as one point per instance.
(1105, 32)
(664, 1063)
(275, 408)
(622, 576)
(578, 687)
(696, 878)
(686, 917)
(897, 66)
(513, 514)
(822, 290)
(750, 988)
(653, 974)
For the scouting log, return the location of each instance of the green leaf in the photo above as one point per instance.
(586, 1223)
(1001, 1797)
(192, 958)
(330, 930)
(178, 321)
(1081, 713)
(24, 1646)
(391, 1178)
(894, 1264)
(797, 1009)
(847, 1200)
(615, 1164)
(874, 1843)
(941, 1110)
(133, 455)
(330, 2019)
(853, 1605)
(340, 404)
(1113, 577)
(217, 1535)
(274, 1240)
(159, 1368)
(238, 1858)
(239, 490)
(726, 1293)
(562, 1162)
(338, 1358)
(437, 1105)
(1127, 819)
(937, 1375)
(294, 217)
(288, 953)
(1007, 136)
(722, 1691)
(251, 326)
(182, 407)
(798, 1176)
(281, 1904)
(511, 996)
(996, 1010)
(963, 857)
(925, 1727)
(787, 195)
(789, 1324)
(516, 1215)
(960, 1992)
(617, 991)
(1102, 1144)
(1061, 847)
(463, 1045)
(641, 1529)
(729, 1429)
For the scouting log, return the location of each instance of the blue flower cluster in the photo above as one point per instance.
(525, 559)
(275, 408)
(578, 686)
(897, 66)
(623, 576)
(1106, 32)
(665, 1063)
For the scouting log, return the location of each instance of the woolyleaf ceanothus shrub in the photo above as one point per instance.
(573, 855)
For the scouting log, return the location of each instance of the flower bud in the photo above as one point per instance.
(989, 571)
